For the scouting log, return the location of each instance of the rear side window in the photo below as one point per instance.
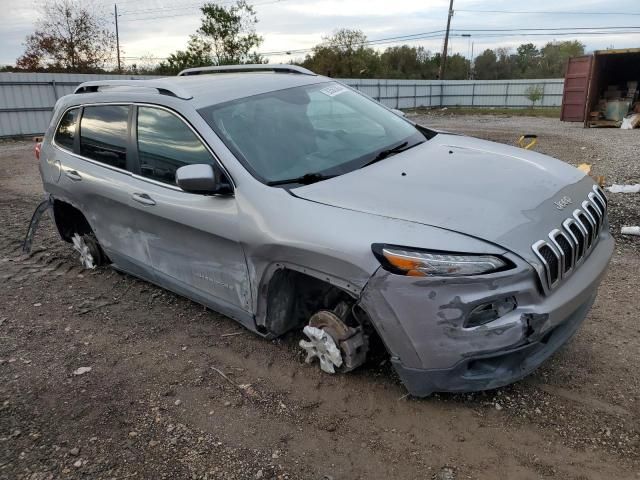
(166, 143)
(103, 134)
(67, 129)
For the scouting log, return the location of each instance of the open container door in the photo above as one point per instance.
(576, 88)
(614, 67)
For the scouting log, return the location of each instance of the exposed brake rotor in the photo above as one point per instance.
(323, 346)
(336, 345)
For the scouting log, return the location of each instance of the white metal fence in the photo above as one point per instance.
(459, 93)
(27, 99)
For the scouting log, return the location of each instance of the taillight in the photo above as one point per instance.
(37, 150)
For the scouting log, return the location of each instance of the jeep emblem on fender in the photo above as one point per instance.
(563, 202)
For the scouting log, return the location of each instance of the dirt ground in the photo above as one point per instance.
(176, 391)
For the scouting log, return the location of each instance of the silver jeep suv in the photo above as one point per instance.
(287, 201)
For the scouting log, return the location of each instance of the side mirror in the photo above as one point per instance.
(201, 178)
(399, 113)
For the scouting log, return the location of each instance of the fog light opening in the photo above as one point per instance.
(490, 311)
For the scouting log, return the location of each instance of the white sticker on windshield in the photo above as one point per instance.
(333, 90)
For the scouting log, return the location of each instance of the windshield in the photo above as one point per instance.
(323, 130)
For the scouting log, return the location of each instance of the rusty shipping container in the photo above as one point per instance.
(589, 76)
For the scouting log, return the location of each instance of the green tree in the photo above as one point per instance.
(457, 67)
(197, 54)
(407, 62)
(527, 59)
(227, 36)
(485, 66)
(69, 36)
(534, 93)
(344, 54)
(506, 65)
(231, 33)
(554, 57)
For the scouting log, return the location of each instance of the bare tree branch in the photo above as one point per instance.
(71, 36)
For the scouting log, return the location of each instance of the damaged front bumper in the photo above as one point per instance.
(424, 323)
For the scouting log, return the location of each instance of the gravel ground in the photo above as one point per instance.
(176, 391)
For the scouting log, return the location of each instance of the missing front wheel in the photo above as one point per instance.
(338, 346)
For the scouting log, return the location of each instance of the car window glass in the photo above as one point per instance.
(67, 129)
(331, 116)
(103, 134)
(166, 143)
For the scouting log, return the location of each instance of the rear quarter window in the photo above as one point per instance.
(103, 134)
(66, 132)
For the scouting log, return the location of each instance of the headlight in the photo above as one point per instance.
(424, 263)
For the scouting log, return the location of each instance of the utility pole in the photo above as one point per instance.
(115, 8)
(443, 62)
(472, 61)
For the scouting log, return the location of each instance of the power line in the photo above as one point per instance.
(170, 15)
(487, 33)
(497, 35)
(515, 12)
(503, 35)
(399, 38)
(175, 6)
(539, 29)
(129, 20)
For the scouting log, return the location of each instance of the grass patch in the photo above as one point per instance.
(548, 112)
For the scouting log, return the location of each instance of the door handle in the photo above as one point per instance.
(73, 175)
(143, 198)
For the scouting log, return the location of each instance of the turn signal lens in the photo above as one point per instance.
(423, 263)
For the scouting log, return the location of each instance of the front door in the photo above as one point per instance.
(191, 239)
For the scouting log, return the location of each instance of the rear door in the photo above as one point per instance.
(95, 177)
(576, 89)
(191, 239)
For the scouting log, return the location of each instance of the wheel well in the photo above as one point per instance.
(292, 297)
(69, 220)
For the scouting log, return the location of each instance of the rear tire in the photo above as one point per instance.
(90, 254)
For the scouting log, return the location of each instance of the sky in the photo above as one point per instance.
(155, 28)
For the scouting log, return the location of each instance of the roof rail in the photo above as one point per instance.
(162, 88)
(276, 67)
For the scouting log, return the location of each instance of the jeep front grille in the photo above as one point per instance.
(567, 246)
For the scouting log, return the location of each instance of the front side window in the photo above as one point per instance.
(103, 134)
(66, 132)
(166, 143)
(321, 129)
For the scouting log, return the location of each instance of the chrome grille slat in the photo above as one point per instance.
(578, 238)
(602, 196)
(566, 249)
(586, 225)
(597, 201)
(570, 244)
(551, 266)
(588, 210)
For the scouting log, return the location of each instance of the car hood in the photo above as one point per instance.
(501, 194)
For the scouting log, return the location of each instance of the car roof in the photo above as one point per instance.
(223, 87)
(211, 89)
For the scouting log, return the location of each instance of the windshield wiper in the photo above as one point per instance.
(306, 179)
(391, 151)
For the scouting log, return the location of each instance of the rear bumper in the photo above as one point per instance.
(423, 323)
